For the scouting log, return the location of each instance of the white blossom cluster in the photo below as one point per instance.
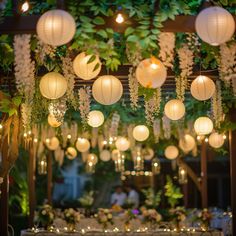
(58, 109)
(152, 106)
(227, 62)
(67, 66)
(26, 110)
(167, 46)
(133, 88)
(84, 103)
(166, 127)
(216, 105)
(186, 67)
(156, 130)
(193, 41)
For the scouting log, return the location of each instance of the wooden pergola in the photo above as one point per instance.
(18, 24)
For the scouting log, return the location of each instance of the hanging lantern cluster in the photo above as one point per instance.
(182, 175)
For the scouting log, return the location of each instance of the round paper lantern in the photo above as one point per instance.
(140, 133)
(95, 118)
(107, 90)
(84, 69)
(105, 155)
(71, 153)
(187, 143)
(202, 88)
(171, 152)
(203, 125)
(122, 144)
(92, 158)
(215, 25)
(52, 121)
(148, 154)
(53, 85)
(56, 27)
(82, 145)
(174, 109)
(216, 140)
(53, 143)
(151, 73)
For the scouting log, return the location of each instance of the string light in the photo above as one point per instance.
(35, 140)
(198, 137)
(119, 18)
(206, 140)
(224, 136)
(1, 126)
(69, 136)
(25, 6)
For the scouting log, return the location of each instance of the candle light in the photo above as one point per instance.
(183, 177)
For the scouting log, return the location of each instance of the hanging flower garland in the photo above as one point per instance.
(227, 61)
(58, 109)
(166, 127)
(157, 130)
(216, 105)
(24, 73)
(84, 103)
(152, 106)
(67, 66)
(186, 67)
(167, 46)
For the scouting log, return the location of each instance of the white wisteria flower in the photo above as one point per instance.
(84, 103)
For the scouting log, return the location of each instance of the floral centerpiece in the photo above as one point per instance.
(204, 217)
(151, 216)
(71, 217)
(46, 216)
(104, 217)
(178, 215)
(128, 216)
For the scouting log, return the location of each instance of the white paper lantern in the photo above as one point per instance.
(115, 155)
(151, 73)
(82, 145)
(122, 144)
(84, 69)
(56, 27)
(92, 158)
(140, 133)
(53, 85)
(52, 121)
(215, 25)
(95, 118)
(216, 140)
(107, 90)
(105, 155)
(53, 143)
(171, 152)
(202, 88)
(203, 125)
(174, 109)
(187, 143)
(148, 154)
(71, 153)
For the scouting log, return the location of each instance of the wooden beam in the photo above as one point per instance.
(49, 177)
(204, 193)
(27, 24)
(232, 148)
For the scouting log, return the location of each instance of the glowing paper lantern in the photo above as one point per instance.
(140, 133)
(202, 88)
(105, 155)
(215, 25)
(82, 145)
(92, 158)
(85, 69)
(203, 125)
(53, 143)
(95, 118)
(151, 73)
(107, 90)
(171, 152)
(174, 109)
(122, 144)
(187, 143)
(216, 140)
(115, 155)
(148, 154)
(71, 153)
(56, 27)
(53, 85)
(52, 121)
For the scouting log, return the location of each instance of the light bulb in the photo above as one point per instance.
(206, 140)
(69, 136)
(224, 136)
(25, 6)
(1, 126)
(35, 140)
(119, 18)
(154, 66)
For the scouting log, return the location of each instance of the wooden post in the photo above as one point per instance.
(204, 194)
(49, 177)
(31, 183)
(185, 193)
(232, 148)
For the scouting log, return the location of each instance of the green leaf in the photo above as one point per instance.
(91, 59)
(129, 31)
(98, 20)
(12, 111)
(102, 33)
(132, 38)
(84, 19)
(17, 100)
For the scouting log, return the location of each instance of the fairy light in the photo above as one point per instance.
(35, 140)
(119, 18)
(224, 136)
(69, 136)
(154, 66)
(25, 6)
(47, 140)
(25, 135)
(198, 137)
(1, 126)
(206, 140)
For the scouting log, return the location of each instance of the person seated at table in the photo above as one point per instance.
(118, 197)
(133, 196)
